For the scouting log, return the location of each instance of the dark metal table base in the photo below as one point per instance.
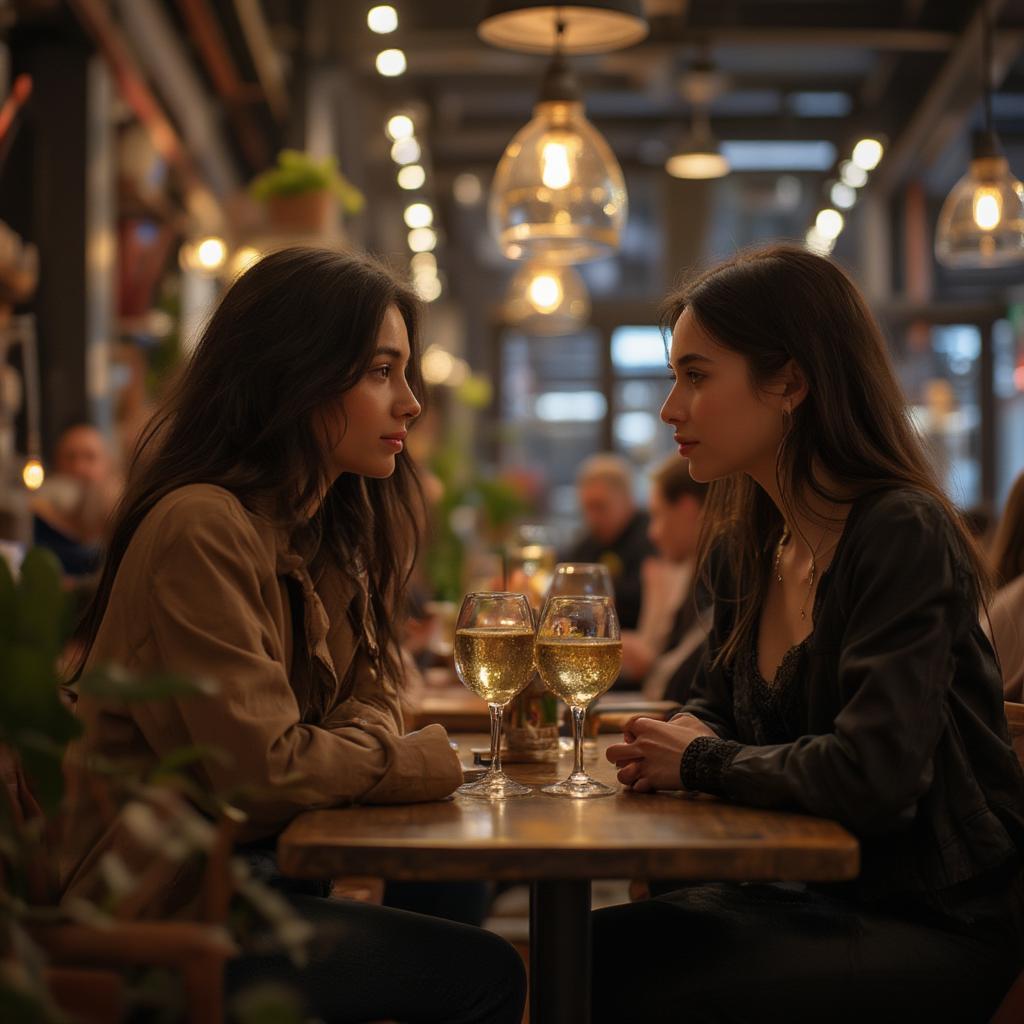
(560, 952)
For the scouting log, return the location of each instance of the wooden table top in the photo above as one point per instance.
(460, 710)
(543, 837)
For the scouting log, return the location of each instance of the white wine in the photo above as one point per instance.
(496, 664)
(578, 670)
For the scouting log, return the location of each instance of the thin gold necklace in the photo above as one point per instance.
(812, 575)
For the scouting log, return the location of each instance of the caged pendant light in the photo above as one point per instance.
(558, 191)
(981, 224)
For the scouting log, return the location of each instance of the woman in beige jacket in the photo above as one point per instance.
(264, 542)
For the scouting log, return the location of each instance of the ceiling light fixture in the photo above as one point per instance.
(590, 26)
(981, 223)
(558, 191)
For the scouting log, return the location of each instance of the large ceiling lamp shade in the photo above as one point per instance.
(558, 191)
(981, 223)
(547, 300)
(595, 26)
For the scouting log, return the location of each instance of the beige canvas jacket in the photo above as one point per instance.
(204, 590)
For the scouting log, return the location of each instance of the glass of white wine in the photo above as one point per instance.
(494, 658)
(579, 652)
(587, 579)
(590, 579)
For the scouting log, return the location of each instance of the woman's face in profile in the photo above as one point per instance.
(721, 424)
(364, 431)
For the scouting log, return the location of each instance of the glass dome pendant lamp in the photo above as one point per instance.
(981, 224)
(546, 300)
(558, 191)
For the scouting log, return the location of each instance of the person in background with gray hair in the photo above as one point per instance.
(616, 530)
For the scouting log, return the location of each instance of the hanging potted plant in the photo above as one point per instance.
(302, 194)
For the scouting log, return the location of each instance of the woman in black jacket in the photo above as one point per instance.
(846, 676)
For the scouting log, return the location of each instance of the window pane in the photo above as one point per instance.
(941, 383)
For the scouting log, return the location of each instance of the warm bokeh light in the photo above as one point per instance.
(545, 293)
(391, 63)
(437, 365)
(987, 208)
(245, 257)
(424, 263)
(418, 215)
(468, 189)
(400, 126)
(211, 253)
(556, 170)
(422, 239)
(405, 151)
(867, 153)
(842, 195)
(852, 175)
(33, 474)
(829, 224)
(411, 177)
(428, 287)
(818, 243)
(382, 19)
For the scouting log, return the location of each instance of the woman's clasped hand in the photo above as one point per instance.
(651, 752)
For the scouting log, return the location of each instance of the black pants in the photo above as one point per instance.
(728, 953)
(375, 963)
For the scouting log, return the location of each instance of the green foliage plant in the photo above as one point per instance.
(298, 173)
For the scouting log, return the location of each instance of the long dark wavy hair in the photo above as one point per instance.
(290, 336)
(1008, 545)
(780, 303)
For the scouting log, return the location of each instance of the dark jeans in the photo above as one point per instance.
(731, 954)
(374, 963)
(466, 902)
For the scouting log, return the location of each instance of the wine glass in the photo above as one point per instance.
(579, 652)
(530, 564)
(584, 578)
(494, 658)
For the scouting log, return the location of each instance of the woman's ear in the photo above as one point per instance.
(794, 385)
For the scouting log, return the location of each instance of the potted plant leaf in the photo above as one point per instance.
(303, 194)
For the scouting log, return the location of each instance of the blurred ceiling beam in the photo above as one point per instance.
(950, 100)
(877, 83)
(264, 56)
(95, 18)
(448, 50)
(238, 95)
(161, 49)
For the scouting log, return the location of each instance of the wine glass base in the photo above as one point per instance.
(494, 786)
(579, 787)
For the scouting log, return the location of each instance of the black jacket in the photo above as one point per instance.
(905, 740)
(624, 558)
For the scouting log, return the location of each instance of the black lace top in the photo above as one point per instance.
(774, 711)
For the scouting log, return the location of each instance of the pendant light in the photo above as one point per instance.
(699, 157)
(592, 26)
(981, 223)
(547, 300)
(558, 191)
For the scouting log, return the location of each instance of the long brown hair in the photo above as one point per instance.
(289, 337)
(1008, 545)
(781, 303)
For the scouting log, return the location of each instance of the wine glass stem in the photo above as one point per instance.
(578, 715)
(496, 712)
